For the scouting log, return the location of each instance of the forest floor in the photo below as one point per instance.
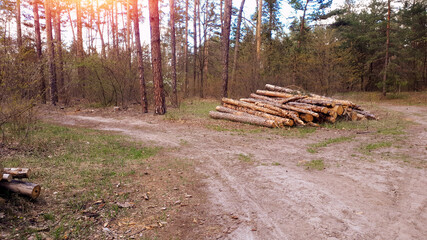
(212, 179)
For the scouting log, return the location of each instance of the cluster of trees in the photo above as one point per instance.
(206, 48)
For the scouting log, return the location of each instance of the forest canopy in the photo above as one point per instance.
(374, 45)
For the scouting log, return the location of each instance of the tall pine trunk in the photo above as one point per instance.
(186, 51)
(80, 47)
(39, 50)
(387, 45)
(156, 58)
(143, 90)
(59, 60)
(173, 48)
(226, 45)
(236, 45)
(258, 33)
(98, 24)
(195, 46)
(51, 54)
(18, 24)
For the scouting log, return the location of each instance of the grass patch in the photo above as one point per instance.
(81, 166)
(403, 98)
(374, 146)
(314, 165)
(293, 132)
(247, 158)
(276, 164)
(192, 109)
(313, 148)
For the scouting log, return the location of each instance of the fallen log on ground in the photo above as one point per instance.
(18, 172)
(7, 177)
(244, 119)
(25, 188)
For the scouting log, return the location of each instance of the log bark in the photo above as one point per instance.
(18, 172)
(306, 106)
(243, 119)
(274, 94)
(25, 188)
(282, 89)
(279, 120)
(366, 114)
(7, 177)
(250, 106)
(285, 113)
(320, 102)
(279, 105)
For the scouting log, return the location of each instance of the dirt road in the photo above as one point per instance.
(258, 187)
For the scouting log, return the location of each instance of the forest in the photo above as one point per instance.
(204, 48)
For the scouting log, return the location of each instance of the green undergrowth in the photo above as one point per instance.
(368, 148)
(314, 148)
(317, 164)
(192, 109)
(74, 166)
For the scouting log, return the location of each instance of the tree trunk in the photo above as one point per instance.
(51, 54)
(18, 24)
(156, 58)
(387, 45)
(186, 51)
(58, 41)
(195, 46)
(258, 33)
(80, 47)
(39, 50)
(302, 24)
(201, 51)
(143, 91)
(173, 52)
(236, 45)
(226, 46)
(98, 24)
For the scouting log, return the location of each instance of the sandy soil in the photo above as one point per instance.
(271, 196)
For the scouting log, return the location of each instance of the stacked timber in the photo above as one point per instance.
(277, 107)
(10, 183)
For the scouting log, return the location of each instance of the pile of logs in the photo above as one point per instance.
(280, 107)
(10, 183)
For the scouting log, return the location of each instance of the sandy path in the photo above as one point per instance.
(353, 198)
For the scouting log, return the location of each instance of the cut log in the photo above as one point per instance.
(25, 188)
(320, 102)
(332, 113)
(282, 89)
(338, 109)
(278, 105)
(226, 109)
(331, 119)
(244, 119)
(250, 106)
(368, 115)
(274, 94)
(306, 117)
(256, 96)
(312, 124)
(18, 172)
(7, 177)
(279, 120)
(306, 106)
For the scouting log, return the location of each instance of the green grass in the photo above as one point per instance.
(313, 148)
(314, 165)
(247, 158)
(192, 109)
(83, 166)
(374, 146)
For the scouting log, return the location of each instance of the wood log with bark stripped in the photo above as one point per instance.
(243, 119)
(280, 120)
(279, 105)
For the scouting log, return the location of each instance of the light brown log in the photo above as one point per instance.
(282, 89)
(276, 107)
(226, 109)
(18, 172)
(368, 115)
(312, 124)
(360, 117)
(250, 106)
(310, 107)
(274, 94)
(279, 105)
(7, 177)
(331, 119)
(244, 119)
(256, 96)
(280, 120)
(338, 109)
(25, 188)
(306, 117)
(321, 102)
(332, 113)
